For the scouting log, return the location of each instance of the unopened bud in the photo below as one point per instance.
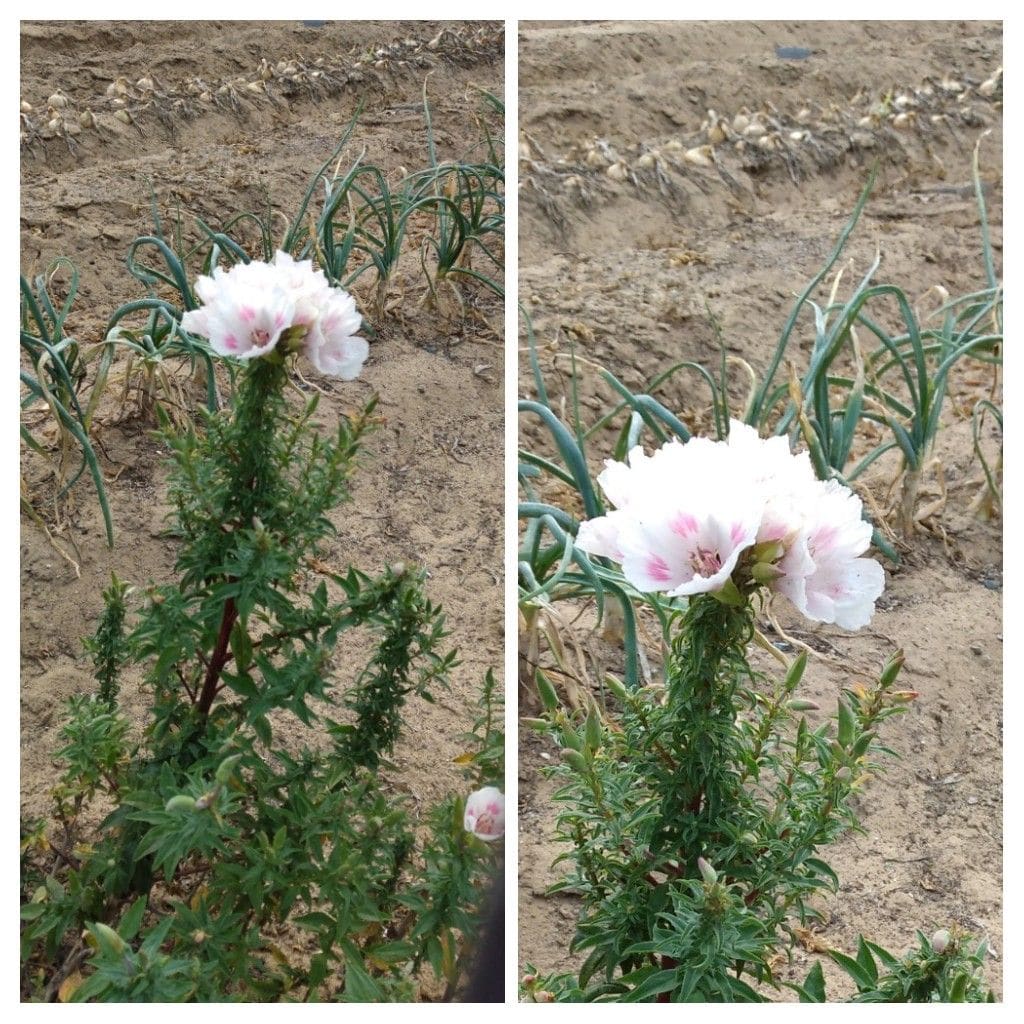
(844, 775)
(536, 724)
(292, 337)
(529, 979)
(617, 687)
(226, 769)
(199, 936)
(397, 568)
(940, 941)
(544, 996)
(904, 696)
(768, 551)
(892, 669)
(548, 696)
(107, 938)
(804, 705)
(575, 760)
(180, 804)
(593, 730)
(765, 572)
(707, 872)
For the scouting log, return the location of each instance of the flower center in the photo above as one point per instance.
(705, 563)
(485, 825)
(260, 337)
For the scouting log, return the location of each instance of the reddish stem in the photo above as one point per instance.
(219, 658)
(667, 963)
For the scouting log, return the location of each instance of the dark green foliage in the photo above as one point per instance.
(696, 819)
(943, 969)
(107, 645)
(244, 834)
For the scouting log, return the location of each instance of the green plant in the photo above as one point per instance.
(246, 832)
(57, 373)
(943, 969)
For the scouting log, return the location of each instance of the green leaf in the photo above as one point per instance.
(813, 988)
(262, 729)
(660, 981)
(316, 921)
(359, 986)
(129, 925)
(241, 645)
(820, 868)
(866, 960)
(862, 978)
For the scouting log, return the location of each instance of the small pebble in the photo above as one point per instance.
(976, 648)
(972, 800)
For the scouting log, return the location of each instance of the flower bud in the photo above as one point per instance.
(844, 775)
(206, 800)
(940, 941)
(767, 551)
(292, 337)
(617, 687)
(575, 760)
(593, 730)
(765, 572)
(803, 705)
(707, 872)
(543, 996)
(892, 669)
(529, 979)
(107, 938)
(227, 767)
(180, 804)
(548, 696)
(904, 696)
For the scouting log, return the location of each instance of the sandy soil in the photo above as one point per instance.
(621, 261)
(430, 490)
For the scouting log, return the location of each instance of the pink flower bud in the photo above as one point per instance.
(940, 941)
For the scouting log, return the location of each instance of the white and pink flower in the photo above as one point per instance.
(485, 814)
(689, 516)
(246, 310)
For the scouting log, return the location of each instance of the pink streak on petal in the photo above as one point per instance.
(231, 342)
(684, 524)
(247, 313)
(658, 570)
(736, 532)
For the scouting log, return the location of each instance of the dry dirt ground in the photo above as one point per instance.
(620, 260)
(430, 491)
